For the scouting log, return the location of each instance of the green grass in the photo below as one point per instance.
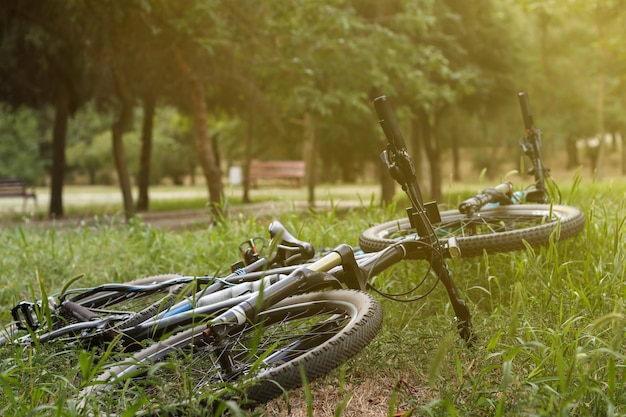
(88, 201)
(550, 322)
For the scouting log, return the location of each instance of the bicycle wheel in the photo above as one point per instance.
(130, 308)
(493, 229)
(315, 331)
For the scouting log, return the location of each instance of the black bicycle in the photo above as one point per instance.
(498, 219)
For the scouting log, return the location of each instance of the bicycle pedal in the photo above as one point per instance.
(25, 316)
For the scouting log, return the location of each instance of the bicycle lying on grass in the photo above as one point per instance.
(291, 313)
(498, 219)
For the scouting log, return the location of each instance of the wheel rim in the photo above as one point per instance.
(484, 223)
(488, 223)
(283, 335)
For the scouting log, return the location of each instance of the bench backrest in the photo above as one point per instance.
(13, 187)
(277, 169)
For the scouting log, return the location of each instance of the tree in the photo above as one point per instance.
(21, 136)
(607, 17)
(202, 38)
(473, 66)
(207, 157)
(42, 64)
(143, 177)
(330, 57)
(116, 36)
(578, 82)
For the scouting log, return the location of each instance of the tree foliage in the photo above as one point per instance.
(295, 78)
(21, 134)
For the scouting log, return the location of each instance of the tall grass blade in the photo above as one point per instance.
(308, 394)
(437, 361)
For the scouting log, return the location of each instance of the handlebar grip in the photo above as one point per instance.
(499, 194)
(388, 122)
(527, 113)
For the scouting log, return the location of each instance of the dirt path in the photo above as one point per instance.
(187, 219)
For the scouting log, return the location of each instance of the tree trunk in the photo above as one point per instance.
(599, 155)
(310, 152)
(247, 156)
(346, 167)
(599, 158)
(143, 180)
(456, 158)
(117, 132)
(206, 156)
(57, 172)
(433, 152)
(572, 153)
(623, 141)
(435, 177)
(387, 186)
(416, 140)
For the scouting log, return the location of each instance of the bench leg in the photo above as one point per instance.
(36, 207)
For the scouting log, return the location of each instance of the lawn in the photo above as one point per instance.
(549, 322)
(99, 200)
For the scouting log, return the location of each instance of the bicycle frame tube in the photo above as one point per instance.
(266, 290)
(204, 305)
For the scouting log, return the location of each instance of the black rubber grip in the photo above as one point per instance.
(499, 194)
(527, 113)
(80, 312)
(388, 122)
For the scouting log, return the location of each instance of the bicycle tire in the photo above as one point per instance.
(491, 230)
(145, 305)
(329, 327)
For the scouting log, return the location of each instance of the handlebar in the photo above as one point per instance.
(501, 194)
(398, 160)
(388, 122)
(527, 114)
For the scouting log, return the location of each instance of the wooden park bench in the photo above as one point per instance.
(16, 187)
(292, 171)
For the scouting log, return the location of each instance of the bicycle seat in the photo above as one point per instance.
(289, 249)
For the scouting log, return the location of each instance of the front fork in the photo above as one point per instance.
(421, 219)
(401, 169)
(461, 310)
